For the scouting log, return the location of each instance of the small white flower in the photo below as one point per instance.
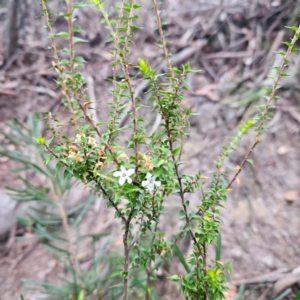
(124, 175)
(150, 182)
(79, 137)
(92, 142)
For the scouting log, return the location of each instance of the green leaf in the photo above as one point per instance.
(218, 246)
(176, 151)
(116, 273)
(122, 29)
(65, 15)
(240, 293)
(281, 53)
(41, 140)
(181, 213)
(174, 278)
(56, 249)
(288, 44)
(180, 256)
(284, 294)
(250, 161)
(79, 59)
(77, 28)
(79, 5)
(78, 40)
(64, 62)
(295, 49)
(136, 6)
(81, 295)
(61, 34)
(294, 28)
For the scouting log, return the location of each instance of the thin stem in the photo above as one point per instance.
(71, 45)
(124, 65)
(267, 106)
(181, 190)
(126, 257)
(55, 155)
(162, 37)
(56, 57)
(112, 202)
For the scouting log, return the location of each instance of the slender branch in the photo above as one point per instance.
(242, 165)
(267, 106)
(56, 57)
(112, 203)
(71, 34)
(130, 88)
(55, 155)
(162, 37)
(181, 190)
(126, 263)
(126, 255)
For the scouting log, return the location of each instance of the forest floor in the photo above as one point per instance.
(233, 43)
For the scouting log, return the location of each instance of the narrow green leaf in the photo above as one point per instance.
(77, 28)
(284, 294)
(136, 6)
(79, 5)
(122, 29)
(78, 40)
(56, 249)
(180, 256)
(174, 278)
(250, 161)
(79, 59)
(240, 293)
(61, 34)
(294, 28)
(81, 295)
(218, 246)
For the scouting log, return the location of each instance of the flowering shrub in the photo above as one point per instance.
(147, 170)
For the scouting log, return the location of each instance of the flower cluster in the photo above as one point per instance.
(124, 175)
(74, 154)
(95, 151)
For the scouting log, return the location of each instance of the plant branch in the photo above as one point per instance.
(55, 52)
(162, 37)
(267, 106)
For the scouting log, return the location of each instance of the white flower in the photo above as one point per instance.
(150, 183)
(92, 142)
(79, 137)
(124, 175)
